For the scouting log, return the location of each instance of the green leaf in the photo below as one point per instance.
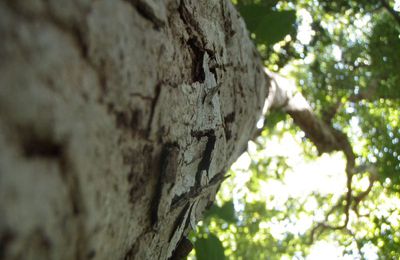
(225, 212)
(209, 248)
(274, 118)
(269, 26)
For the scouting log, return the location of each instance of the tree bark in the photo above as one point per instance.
(118, 121)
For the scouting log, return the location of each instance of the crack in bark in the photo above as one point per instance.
(192, 25)
(197, 43)
(153, 108)
(183, 249)
(147, 12)
(228, 119)
(198, 73)
(206, 159)
(196, 191)
(167, 176)
(178, 220)
(229, 31)
(203, 165)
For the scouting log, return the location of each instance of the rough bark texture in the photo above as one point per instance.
(118, 120)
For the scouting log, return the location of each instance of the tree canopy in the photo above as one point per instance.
(344, 57)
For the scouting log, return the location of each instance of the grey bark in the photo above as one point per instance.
(118, 121)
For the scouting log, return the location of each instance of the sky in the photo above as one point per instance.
(323, 175)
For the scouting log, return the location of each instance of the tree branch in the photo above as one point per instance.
(283, 95)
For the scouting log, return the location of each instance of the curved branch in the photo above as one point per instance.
(283, 95)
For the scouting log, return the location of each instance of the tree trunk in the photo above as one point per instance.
(118, 121)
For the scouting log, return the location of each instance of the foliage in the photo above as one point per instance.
(259, 18)
(345, 57)
(209, 248)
